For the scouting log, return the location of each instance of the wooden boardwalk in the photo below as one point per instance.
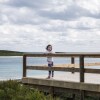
(55, 86)
(63, 84)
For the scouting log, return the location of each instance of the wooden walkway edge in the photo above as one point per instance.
(63, 86)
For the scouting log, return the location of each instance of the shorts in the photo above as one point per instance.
(50, 65)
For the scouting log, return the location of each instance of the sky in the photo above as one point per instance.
(69, 25)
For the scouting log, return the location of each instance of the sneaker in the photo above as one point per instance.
(48, 77)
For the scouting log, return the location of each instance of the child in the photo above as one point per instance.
(50, 61)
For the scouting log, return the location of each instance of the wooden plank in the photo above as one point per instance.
(53, 68)
(86, 70)
(69, 54)
(59, 90)
(62, 84)
(51, 55)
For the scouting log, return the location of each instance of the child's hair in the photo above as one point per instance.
(48, 46)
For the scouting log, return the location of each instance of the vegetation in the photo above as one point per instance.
(12, 90)
(10, 53)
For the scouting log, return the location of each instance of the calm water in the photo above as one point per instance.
(11, 67)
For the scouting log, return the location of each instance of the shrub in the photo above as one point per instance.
(12, 90)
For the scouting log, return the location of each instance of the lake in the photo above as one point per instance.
(11, 66)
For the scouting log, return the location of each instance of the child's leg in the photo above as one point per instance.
(49, 72)
(52, 71)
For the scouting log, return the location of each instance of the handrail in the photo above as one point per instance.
(73, 54)
(81, 68)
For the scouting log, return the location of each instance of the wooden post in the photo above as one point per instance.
(82, 96)
(72, 60)
(81, 68)
(24, 65)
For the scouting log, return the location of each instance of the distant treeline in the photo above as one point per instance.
(10, 53)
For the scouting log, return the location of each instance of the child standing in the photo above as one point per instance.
(50, 61)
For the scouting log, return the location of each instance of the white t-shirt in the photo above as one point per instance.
(49, 59)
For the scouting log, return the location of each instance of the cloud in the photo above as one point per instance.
(71, 9)
(31, 25)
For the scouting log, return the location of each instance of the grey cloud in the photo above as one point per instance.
(14, 16)
(11, 10)
(28, 3)
(82, 27)
(71, 13)
(68, 14)
(39, 14)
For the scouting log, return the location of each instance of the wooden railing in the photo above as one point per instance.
(81, 68)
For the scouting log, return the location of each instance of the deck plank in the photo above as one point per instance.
(62, 84)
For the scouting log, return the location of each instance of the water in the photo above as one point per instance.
(11, 67)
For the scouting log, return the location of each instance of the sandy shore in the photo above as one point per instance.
(76, 65)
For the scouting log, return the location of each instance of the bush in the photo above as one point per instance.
(12, 90)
